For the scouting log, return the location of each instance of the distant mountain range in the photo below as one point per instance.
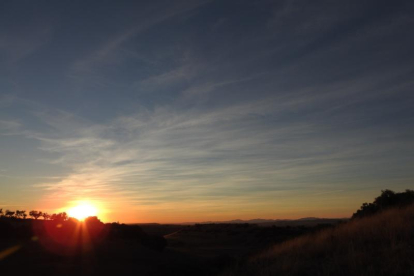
(301, 221)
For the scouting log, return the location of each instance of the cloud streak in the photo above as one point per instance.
(212, 110)
(174, 157)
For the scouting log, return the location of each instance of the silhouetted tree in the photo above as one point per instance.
(35, 214)
(386, 200)
(9, 213)
(45, 216)
(93, 220)
(1, 212)
(20, 214)
(63, 216)
(59, 217)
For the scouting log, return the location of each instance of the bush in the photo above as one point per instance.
(386, 200)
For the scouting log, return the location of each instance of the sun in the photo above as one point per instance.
(82, 211)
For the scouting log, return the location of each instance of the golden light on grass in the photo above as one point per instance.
(82, 211)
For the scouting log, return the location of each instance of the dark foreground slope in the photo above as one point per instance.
(38, 247)
(382, 244)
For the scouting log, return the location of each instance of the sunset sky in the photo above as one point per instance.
(178, 111)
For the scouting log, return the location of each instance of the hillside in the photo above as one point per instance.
(382, 244)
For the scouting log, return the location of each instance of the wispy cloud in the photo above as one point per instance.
(8, 127)
(175, 157)
(146, 17)
(176, 107)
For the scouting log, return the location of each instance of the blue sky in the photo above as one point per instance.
(205, 110)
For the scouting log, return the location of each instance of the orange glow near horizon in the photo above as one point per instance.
(82, 211)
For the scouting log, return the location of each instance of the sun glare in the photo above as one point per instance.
(82, 211)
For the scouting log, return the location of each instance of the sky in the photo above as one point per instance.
(183, 111)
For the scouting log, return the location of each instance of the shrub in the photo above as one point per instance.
(386, 200)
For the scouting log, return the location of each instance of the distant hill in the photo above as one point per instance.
(309, 221)
(309, 218)
(381, 244)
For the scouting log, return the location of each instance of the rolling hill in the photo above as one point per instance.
(381, 244)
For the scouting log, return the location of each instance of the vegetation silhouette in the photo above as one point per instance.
(20, 214)
(35, 214)
(45, 216)
(9, 213)
(386, 200)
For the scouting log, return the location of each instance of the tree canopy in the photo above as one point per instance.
(386, 200)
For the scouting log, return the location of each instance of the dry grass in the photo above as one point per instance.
(379, 245)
